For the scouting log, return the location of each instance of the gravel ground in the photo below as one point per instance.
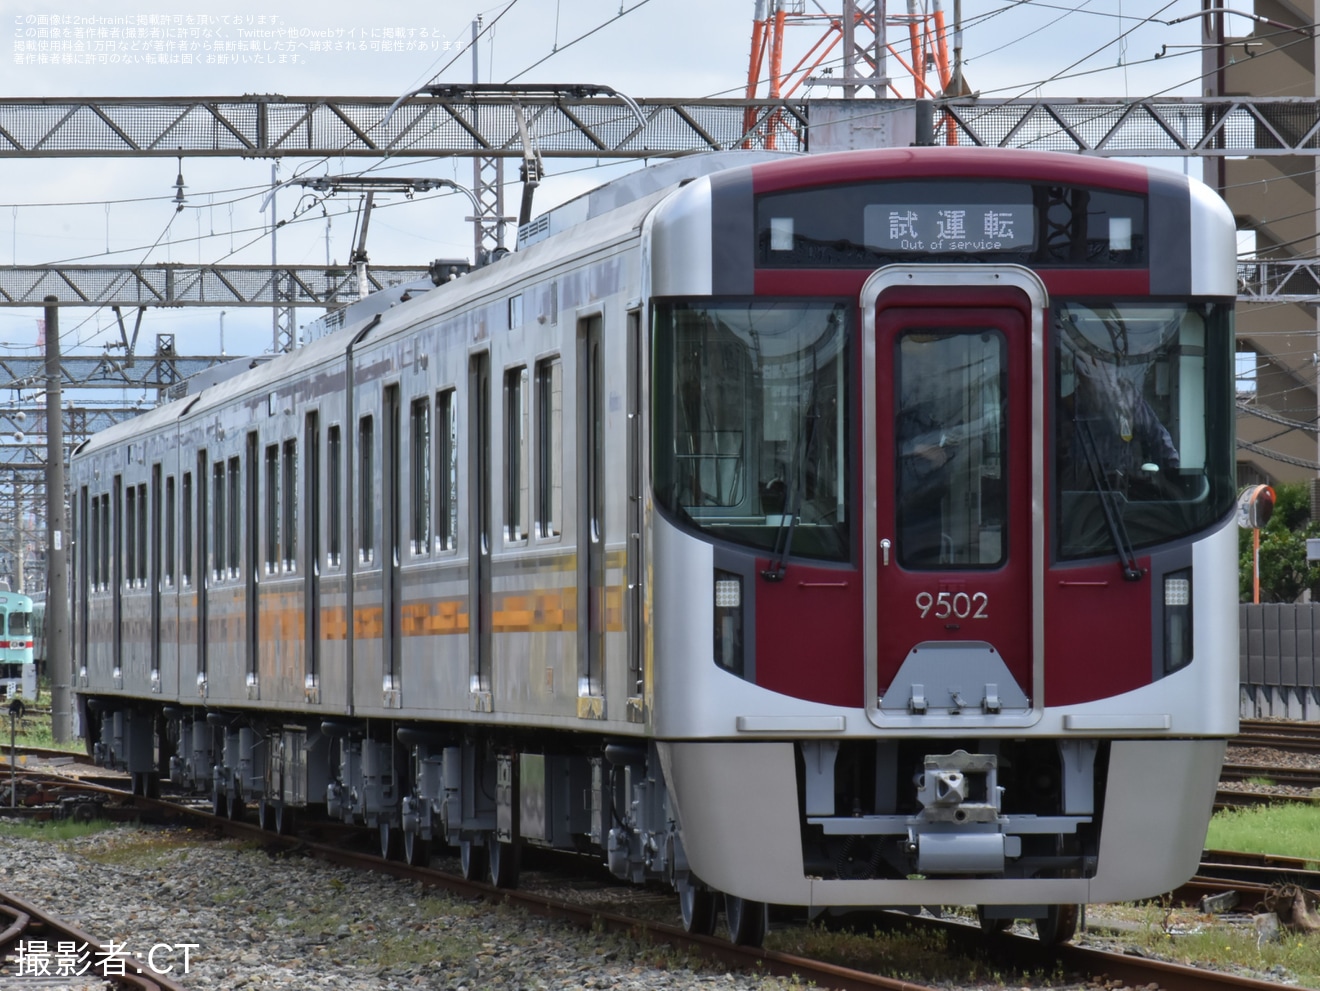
(268, 923)
(1267, 758)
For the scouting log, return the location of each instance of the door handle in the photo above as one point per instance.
(885, 544)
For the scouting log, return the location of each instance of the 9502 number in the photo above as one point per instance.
(954, 605)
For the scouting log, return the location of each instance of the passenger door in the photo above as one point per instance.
(957, 549)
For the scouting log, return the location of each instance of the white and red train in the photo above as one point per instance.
(847, 530)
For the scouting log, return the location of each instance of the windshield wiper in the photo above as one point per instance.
(793, 504)
(1109, 504)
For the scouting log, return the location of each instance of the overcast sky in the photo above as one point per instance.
(124, 211)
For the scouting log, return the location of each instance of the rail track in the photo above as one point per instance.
(1015, 951)
(70, 956)
(1295, 777)
(1279, 734)
(1266, 781)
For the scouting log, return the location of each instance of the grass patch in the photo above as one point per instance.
(34, 730)
(921, 956)
(53, 830)
(1288, 829)
(141, 847)
(1184, 936)
(421, 938)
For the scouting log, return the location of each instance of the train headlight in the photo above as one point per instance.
(729, 621)
(728, 591)
(1177, 620)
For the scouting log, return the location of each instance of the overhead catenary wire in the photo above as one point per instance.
(1310, 426)
(1273, 455)
(562, 48)
(1080, 9)
(1008, 7)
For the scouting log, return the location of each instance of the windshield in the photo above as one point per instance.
(20, 623)
(750, 421)
(1144, 422)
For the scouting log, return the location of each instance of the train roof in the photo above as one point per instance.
(594, 221)
(598, 219)
(639, 185)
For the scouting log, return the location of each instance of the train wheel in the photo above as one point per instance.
(989, 925)
(416, 851)
(219, 808)
(472, 857)
(748, 920)
(1059, 924)
(504, 864)
(699, 905)
(389, 841)
(265, 814)
(234, 807)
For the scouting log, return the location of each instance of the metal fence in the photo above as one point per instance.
(1279, 660)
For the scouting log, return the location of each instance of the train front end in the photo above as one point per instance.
(944, 571)
(18, 669)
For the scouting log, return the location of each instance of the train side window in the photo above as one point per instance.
(80, 542)
(289, 514)
(142, 534)
(272, 513)
(420, 503)
(91, 534)
(446, 473)
(235, 508)
(171, 538)
(130, 535)
(549, 447)
(335, 495)
(366, 490)
(105, 541)
(218, 545)
(515, 455)
(186, 508)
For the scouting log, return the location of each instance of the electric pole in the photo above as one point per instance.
(59, 659)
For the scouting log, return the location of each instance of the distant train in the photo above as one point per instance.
(18, 670)
(847, 530)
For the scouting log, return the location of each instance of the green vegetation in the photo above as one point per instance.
(34, 729)
(1184, 936)
(921, 956)
(1284, 571)
(1289, 829)
(54, 831)
(1156, 928)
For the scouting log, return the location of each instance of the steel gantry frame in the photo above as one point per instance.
(577, 122)
(493, 122)
(175, 284)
